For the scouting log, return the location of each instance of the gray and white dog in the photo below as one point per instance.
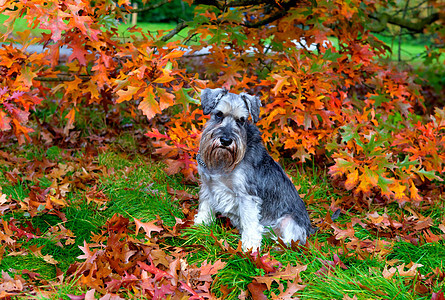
(239, 179)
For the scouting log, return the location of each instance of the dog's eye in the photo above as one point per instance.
(241, 121)
(219, 115)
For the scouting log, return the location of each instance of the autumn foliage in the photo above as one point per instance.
(329, 96)
(338, 103)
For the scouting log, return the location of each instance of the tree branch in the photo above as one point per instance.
(284, 8)
(153, 6)
(62, 78)
(174, 31)
(268, 20)
(416, 27)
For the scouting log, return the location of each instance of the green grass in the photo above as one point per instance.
(410, 48)
(135, 189)
(138, 188)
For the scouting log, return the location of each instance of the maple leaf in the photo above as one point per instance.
(265, 262)
(11, 285)
(351, 180)
(159, 274)
(438, 296)
(165, 98)
(78, 53)
(411, 272)
(289, 273)
(281, 81)
(70, 123)
(26, 76)
(90, 295)
(148, 227)
(292, 288)
(341, 234)
(329, 265)
(182, 97)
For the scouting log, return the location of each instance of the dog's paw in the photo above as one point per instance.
(253, 244)
(201, 219)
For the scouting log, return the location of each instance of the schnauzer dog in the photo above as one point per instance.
(239, 179)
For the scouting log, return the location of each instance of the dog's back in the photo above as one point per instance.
(268, 181)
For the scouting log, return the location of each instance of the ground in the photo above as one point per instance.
(65, 211)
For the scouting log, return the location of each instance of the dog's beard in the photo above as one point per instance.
(218, 157)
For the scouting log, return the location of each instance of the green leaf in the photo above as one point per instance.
(331, 56)
(349, 133)
(406, 163)
(384, 183)
(182, 97)
(431, 175)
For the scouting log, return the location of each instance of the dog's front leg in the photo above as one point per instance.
(251, 229)
(205, 211)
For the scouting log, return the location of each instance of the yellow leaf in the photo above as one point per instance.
(57, 201)
(399, 191)
(414, 192)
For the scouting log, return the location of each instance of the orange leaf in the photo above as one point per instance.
(149, 105)
(166, 99)
(414, 192)
(281, 81)
(126, 95)
(351, 180)
(399, 191)
(4, 121)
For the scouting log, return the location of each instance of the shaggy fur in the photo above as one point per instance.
(239, 179)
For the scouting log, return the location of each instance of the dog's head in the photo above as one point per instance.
(223, 141)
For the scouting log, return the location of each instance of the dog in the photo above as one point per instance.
(239, 179)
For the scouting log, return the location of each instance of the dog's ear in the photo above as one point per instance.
(210, 98)
(253, 105)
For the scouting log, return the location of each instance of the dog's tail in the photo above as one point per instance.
(334, 217)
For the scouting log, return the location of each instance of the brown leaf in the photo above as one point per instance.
(292, 288)
(257, 290)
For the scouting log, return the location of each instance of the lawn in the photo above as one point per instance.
(62, 210)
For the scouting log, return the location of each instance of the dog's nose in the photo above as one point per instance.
(225, 141)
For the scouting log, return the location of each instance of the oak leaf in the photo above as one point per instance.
(148, 227)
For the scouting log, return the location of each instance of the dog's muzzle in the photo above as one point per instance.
(225, 141)
(221, 152)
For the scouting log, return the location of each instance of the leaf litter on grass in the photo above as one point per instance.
(112, 225)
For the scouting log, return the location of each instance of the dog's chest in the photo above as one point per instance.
(226, 191)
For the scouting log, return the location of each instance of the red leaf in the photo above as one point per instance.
(438, 296)
(159, 274)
